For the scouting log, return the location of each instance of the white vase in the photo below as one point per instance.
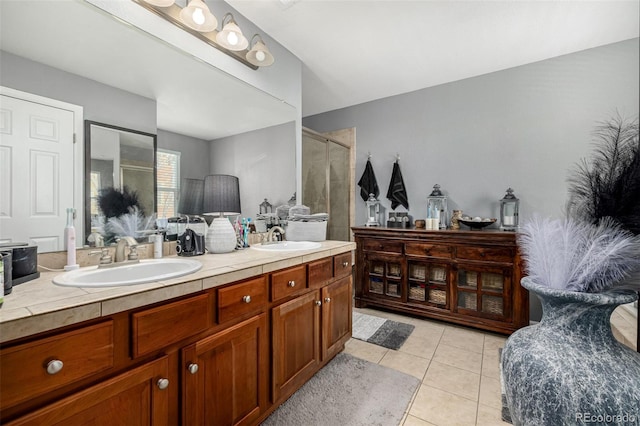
(221, 237)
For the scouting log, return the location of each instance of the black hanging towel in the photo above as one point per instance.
(397, 193)
(368, 183)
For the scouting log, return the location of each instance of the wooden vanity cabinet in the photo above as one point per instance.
(309, 330)
(225, 376)
(138, 397)
(466, 277)
(224, 356)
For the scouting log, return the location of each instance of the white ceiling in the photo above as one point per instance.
(360, 50)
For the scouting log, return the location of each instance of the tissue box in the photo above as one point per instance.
(306, 231)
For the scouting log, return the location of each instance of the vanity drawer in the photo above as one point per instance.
(156, 328)
(320, 272)
(342, 265)
(428, 250)
(35, 368)
(242, 299)
(486, 254)
(288, 282)
(382, 245)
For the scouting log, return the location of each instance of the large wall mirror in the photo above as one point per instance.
(117, 159)
(88, 70)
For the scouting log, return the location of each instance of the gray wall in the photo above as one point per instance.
(523, 128)
(101, 103)
(194, 158)
(264, 161)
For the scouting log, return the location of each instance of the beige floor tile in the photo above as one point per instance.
(414, 421)
(420, 344)
(407, 363)
(463, 338)
(489, 416)
(454, 380)
(493, 342)
(443, 408)
(364, 350)
(490, 393)
(491, 365)
(461, 358)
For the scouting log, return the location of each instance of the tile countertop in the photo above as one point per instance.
(40, 305)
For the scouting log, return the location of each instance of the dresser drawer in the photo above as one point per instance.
(342, 265)
(486, 254)
(382, 245)
(242, 299)
(428, 250)
(35, 368)
(320, 272)
(155, 328)
(288, 282)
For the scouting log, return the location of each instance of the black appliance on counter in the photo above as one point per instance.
(24, 261)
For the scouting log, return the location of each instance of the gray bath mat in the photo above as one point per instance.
(348, 391)
(387, 333)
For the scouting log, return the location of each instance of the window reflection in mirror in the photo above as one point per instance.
(117, 159)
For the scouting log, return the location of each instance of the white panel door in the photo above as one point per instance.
(37, 172)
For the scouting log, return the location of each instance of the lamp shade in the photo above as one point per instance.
(191, 196)
(231, 37)
(259, 55)
(197, 16)
(221, 195)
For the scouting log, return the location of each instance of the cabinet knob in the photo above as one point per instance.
(291, 283)
(318, 303)
(345, 264)
(327, 299)
(54, 366)
(246, 299)
(193, 368)
(163, 383)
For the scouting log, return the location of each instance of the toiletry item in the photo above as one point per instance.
(157, 246)
(6, 264)
(70, 239)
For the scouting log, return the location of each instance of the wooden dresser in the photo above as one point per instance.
(465, 277)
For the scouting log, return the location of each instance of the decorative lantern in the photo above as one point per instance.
(373, 211)
(509, 211)
(266, 207)
(437, 207)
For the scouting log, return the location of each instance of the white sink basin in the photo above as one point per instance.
(136, 273)
(288, 246)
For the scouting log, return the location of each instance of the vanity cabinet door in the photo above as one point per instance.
(336, 316)
(296, 343)
(139, 397)
(225, 376)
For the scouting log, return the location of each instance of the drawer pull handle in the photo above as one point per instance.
(318, 303)
(54, 366)
(291, 283)
(246, 299)
(345, 264)
(163, 383)
(193, 368)
(327, 299)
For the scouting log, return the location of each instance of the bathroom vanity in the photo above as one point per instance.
(465, 277)
(223, 346)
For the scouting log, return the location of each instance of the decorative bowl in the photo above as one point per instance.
(477, 224)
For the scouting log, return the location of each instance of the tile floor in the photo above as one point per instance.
(457, 366)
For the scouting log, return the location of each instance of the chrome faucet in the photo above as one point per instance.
(122, 243)
(270, 234)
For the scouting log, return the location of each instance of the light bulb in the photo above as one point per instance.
(260, 56)
(198, 16)
(232, 38)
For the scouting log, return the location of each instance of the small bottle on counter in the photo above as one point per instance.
(157, 245)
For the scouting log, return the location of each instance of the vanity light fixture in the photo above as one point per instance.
(231, 36)
(258, 54)
(196, 18)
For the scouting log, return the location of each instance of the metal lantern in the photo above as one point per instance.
(266, 207)
(509, 211)
(437, 207)
(373, 211)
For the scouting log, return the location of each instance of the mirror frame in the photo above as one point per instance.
(87, 169)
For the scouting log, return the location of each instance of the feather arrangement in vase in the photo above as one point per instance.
(132, 224)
